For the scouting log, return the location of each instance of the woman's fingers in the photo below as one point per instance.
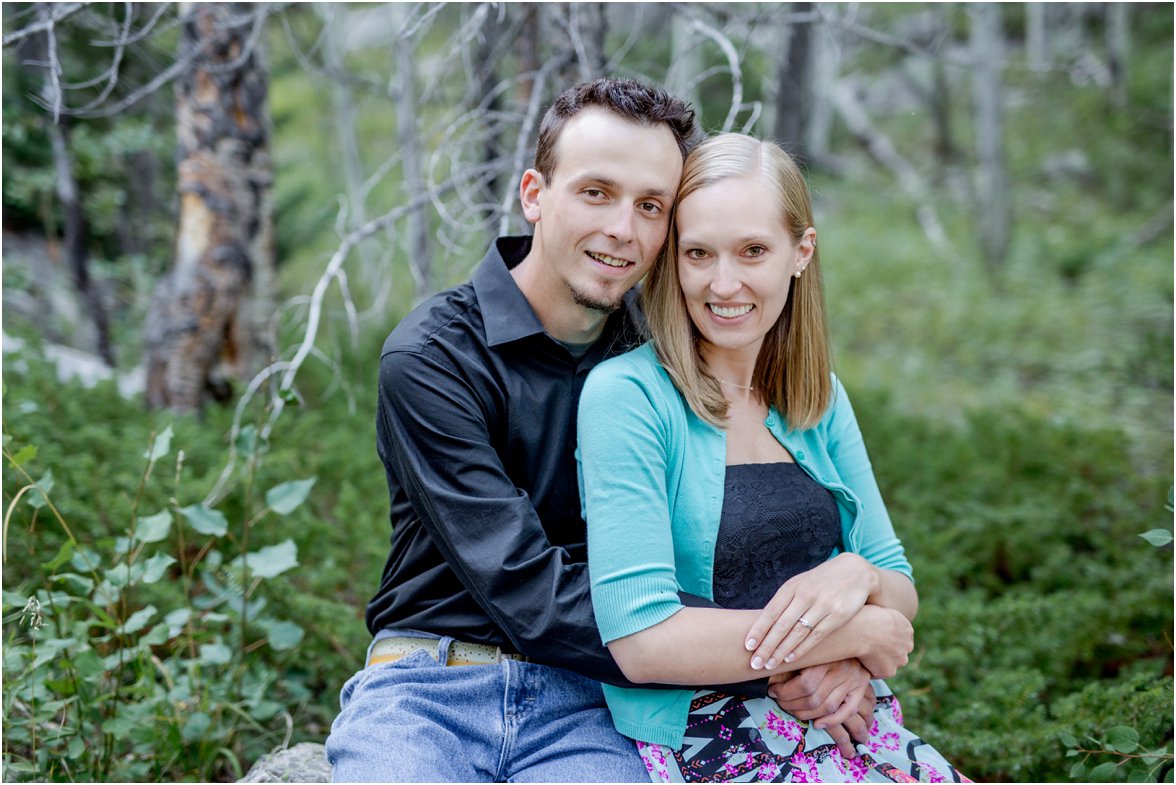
(804, 634)
(782, 625)
(767, 619)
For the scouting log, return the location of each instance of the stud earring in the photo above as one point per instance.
(797, 273)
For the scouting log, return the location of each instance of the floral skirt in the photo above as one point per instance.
(729, 739)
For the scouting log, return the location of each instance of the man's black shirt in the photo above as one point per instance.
(476, 427)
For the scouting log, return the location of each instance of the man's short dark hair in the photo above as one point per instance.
(627, 98)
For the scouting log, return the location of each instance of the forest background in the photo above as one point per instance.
(214, 213)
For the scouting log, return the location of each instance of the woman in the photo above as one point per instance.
(723, 459)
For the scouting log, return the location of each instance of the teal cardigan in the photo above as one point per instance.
(651, 480)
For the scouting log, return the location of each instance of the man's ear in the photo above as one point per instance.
(529, 188)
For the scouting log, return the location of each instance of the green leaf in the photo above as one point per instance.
(153, 528)
(271, 560)
(1103, 771)
(264, 710)
(1157, 537)
(1122, 738)
(205, 520)
(38, 496)
(285, 498)
(64, 554)
(156, 567)
(196, 726)
(283, 635)
(140, 619)
(247, 440)
(215, 654)
(157, 635)
(176, 620)
(1067, 739)
(160, 446)
(117, 726)
(23, 455)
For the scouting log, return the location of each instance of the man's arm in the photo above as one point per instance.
(434, 435)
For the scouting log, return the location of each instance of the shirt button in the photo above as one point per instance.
(771, 421)
(800, 455)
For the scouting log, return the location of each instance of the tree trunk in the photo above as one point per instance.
(792, 96)
(992, 188)
(403, 91)
(1118, 51)
(823, 65)
(76, 239)
(209, 319)
(33, 56)
(1035, 51)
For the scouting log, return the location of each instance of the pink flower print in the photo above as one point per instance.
(890, 741)
(725, 733)
(768, 772)
(857, 769)
(933, 775)
(896, 711)
(786, 729)
(655, 760)
(806, 768)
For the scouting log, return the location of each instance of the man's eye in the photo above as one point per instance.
(653, 208)
(593, 193)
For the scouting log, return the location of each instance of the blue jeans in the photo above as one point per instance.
(414, 720)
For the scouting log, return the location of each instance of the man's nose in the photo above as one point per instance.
(620, 225)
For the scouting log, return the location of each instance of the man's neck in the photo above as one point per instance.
(561, 316)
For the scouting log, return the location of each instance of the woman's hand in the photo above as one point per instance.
(808, 607)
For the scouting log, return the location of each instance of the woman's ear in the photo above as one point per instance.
(529, 189)
(808, 244)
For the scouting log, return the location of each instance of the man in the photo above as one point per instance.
(476, 427)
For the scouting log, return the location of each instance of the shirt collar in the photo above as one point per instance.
(508, 315)
(505, 310)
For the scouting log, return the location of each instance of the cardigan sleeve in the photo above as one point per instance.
(875, 537)
(622, 455)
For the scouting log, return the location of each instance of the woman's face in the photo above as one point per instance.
(735, 261)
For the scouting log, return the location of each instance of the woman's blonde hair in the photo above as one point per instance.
(792, 372)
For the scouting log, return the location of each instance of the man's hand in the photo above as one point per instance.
(856, 728)
(837, 696)
(822, 690)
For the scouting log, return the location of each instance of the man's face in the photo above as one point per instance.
(602, 218)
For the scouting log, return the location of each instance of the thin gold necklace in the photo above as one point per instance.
(736, 386)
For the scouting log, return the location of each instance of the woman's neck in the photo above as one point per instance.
(735, 370)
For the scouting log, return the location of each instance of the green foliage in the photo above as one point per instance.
(143, 638)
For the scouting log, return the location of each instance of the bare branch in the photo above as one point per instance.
(60, 14)
(733, 67)
(525, 132)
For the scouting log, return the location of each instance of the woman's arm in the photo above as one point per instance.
(825, 597)
(701, 646)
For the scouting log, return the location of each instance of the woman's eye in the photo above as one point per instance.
(694, 253)
(756, 250)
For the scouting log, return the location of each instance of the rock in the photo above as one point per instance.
(305, 762)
